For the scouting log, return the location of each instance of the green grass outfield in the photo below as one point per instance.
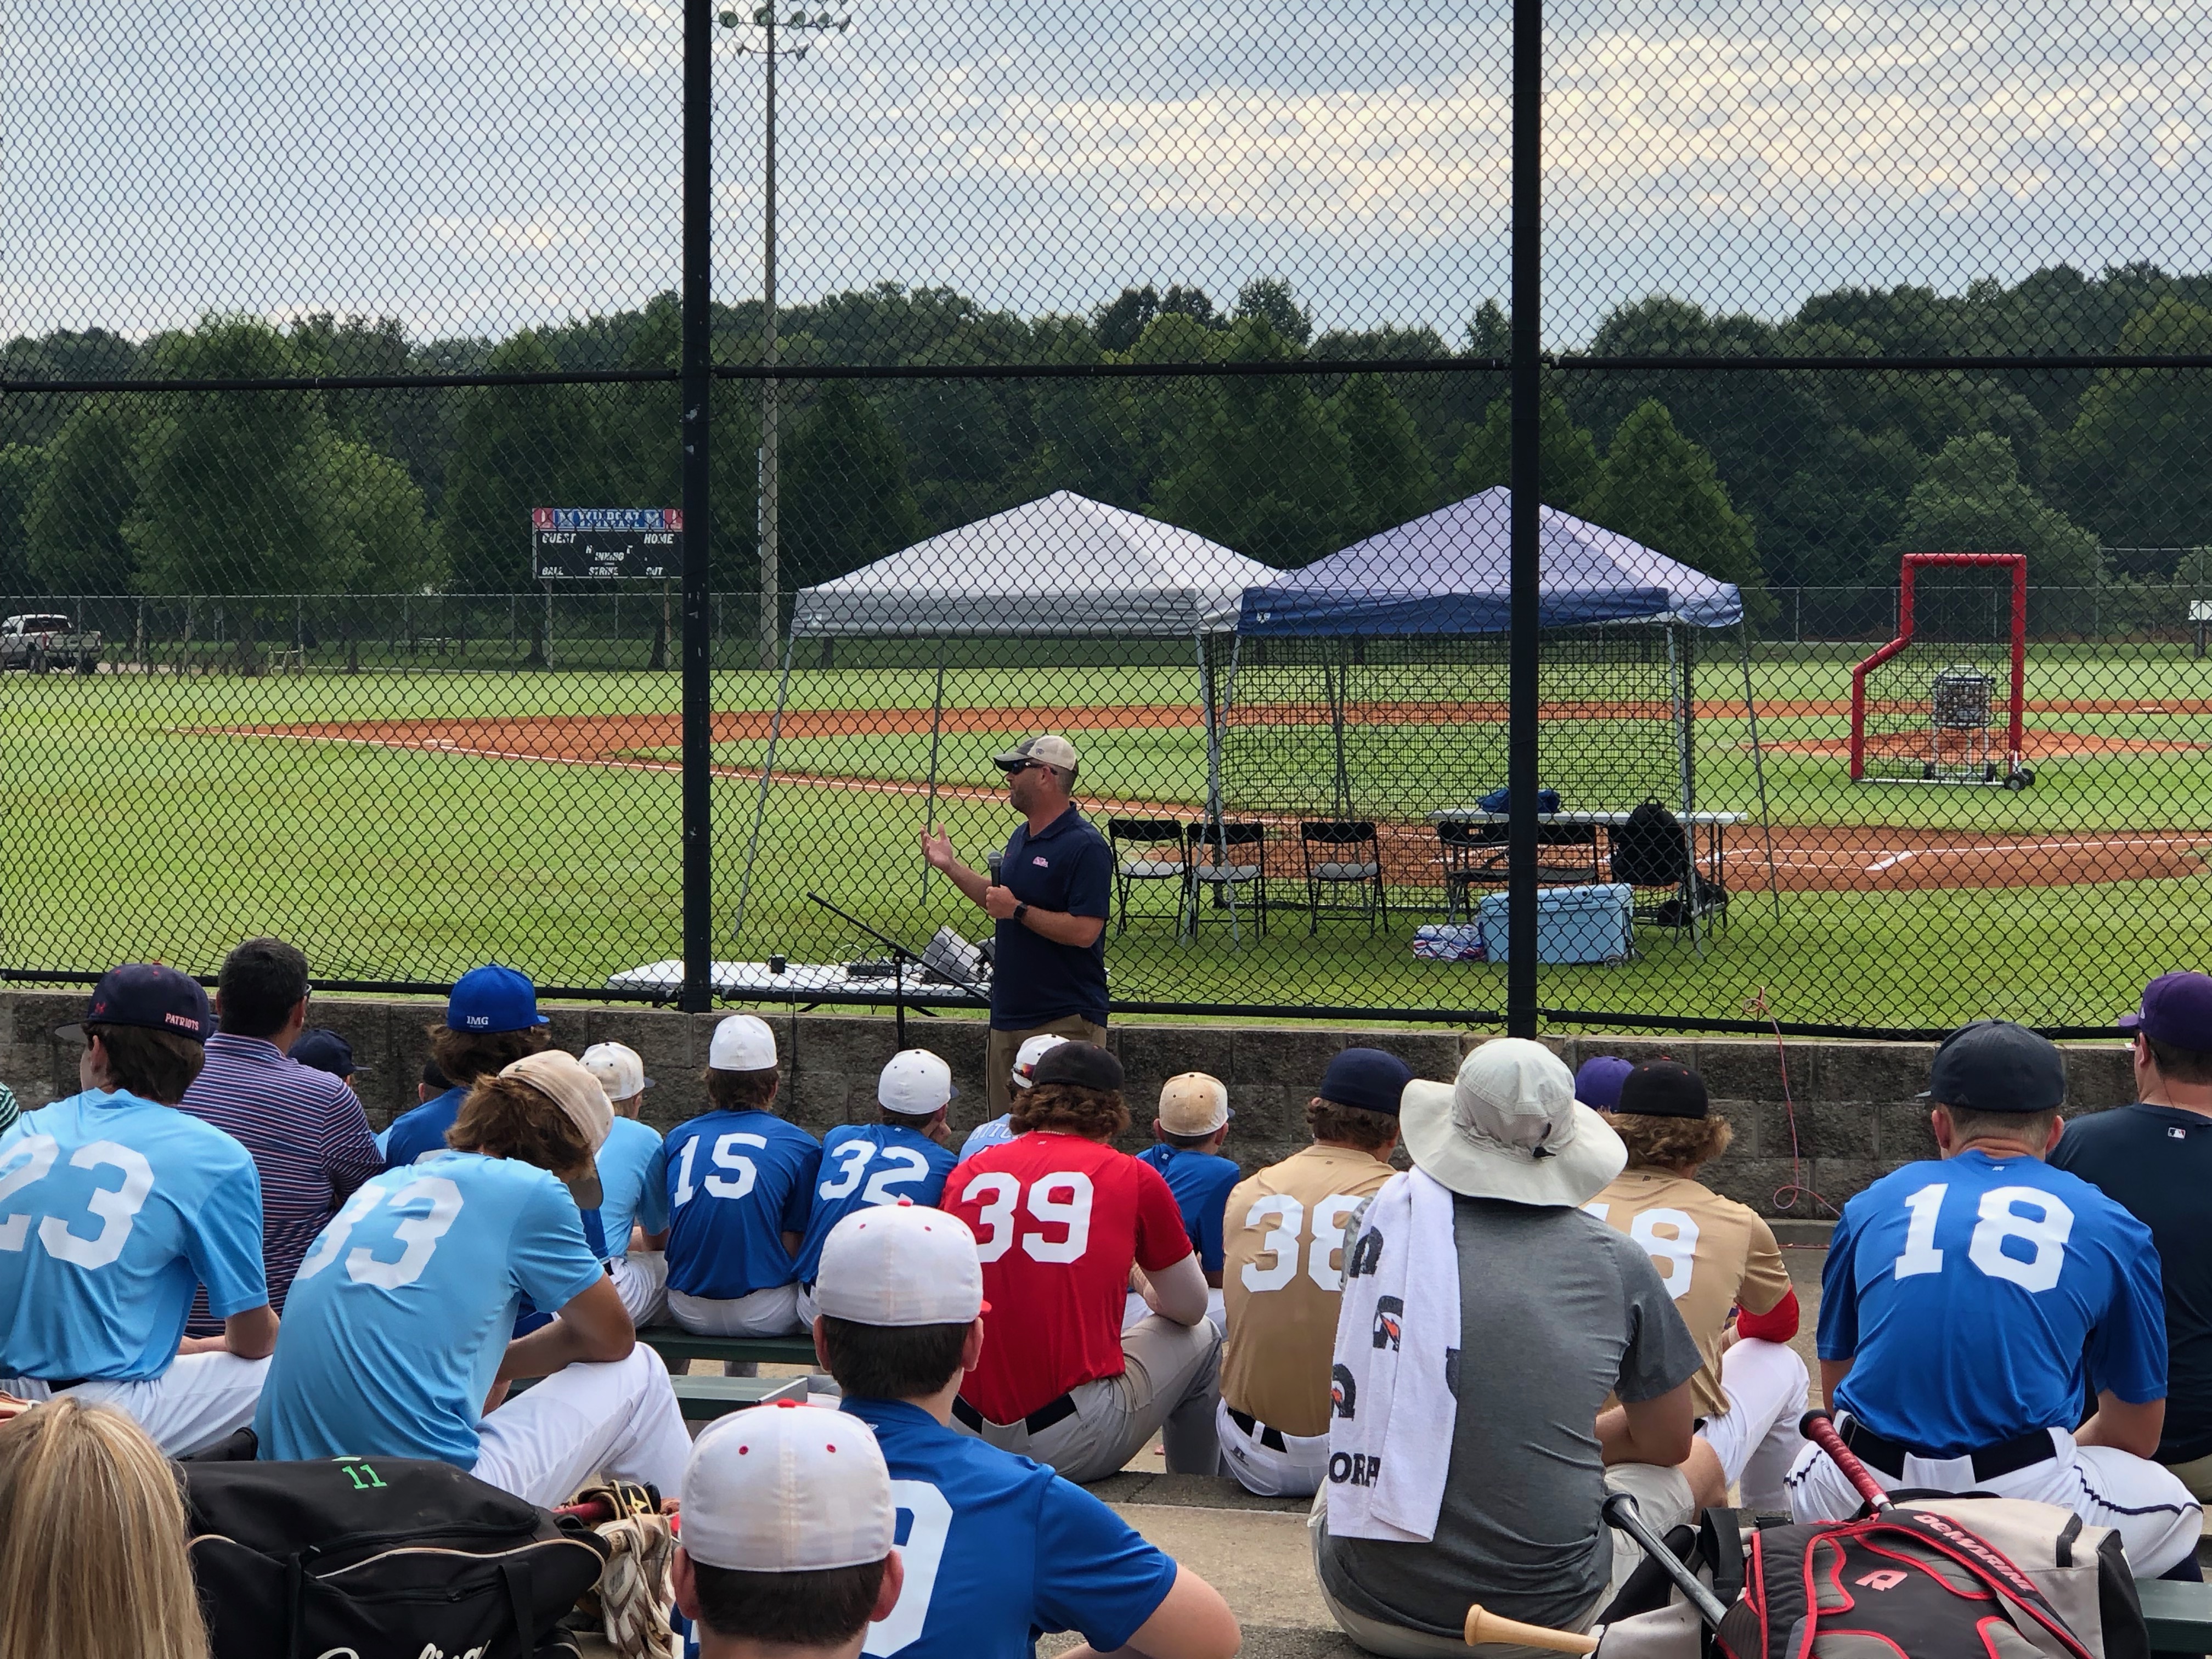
(130, 834)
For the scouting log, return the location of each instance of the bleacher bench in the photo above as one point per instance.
(677, 1346)
(2180, 1615)
(704, 1398)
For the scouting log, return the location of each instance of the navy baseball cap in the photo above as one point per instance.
(1367, 1078)
(2177, 1008)
(325, 1050)
(1995, 1066)
(1662, 1087)
(493, 998)
(149, 995)
(1598, 1080)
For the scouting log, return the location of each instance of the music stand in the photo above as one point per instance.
(900, 957)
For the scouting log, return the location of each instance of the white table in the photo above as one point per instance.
(799, 981)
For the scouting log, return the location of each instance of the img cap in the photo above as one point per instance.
(326, 1051)
(1051, 749)
(1195, 1103)
(916, 1083)
(1661, 1088)
(151, 995)
(899, 1264)
(1995, 1066)
(2177, 1008)
(1368, 1079)
(787, 1488)
(742, 1043)
(493, 998)
(562, 1079)
(1026, 1057)
(1598, 1080)
(620, 1070)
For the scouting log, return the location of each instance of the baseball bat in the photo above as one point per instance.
(1483, 1626)
(1816, 1428)
(1620, 1511)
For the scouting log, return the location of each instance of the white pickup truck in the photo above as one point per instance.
(39, 641)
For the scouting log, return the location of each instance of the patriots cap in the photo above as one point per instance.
(1026, 1057)
(150, 996)
(1598, 1080)
(2177, 1008)
(1366, 1079)
(1995, 1066)
(325, 1051)
(619, 1069)
(493, 998)
(743, 1042)
(1051, 750)
(914, 1083)
(787, 1488)
(899, 1264)
(562, 1079)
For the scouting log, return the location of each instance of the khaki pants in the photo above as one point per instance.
(2196, 1475)
(999, 1057)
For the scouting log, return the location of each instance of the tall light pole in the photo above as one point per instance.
(769, 526)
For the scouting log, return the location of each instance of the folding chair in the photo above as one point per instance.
(1148, 837)
(1474, 856)
(1215, 854)
(1340, 853)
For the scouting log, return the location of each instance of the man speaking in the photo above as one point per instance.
(1050, 901)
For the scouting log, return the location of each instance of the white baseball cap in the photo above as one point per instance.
(787, 1488)
(564, 1081)
(1194, 1104)
(1026, 1057)
(743, 1042)
(899, 1264)
(915, 1083)
(619, 1068)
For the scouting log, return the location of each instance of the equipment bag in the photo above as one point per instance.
(387, 1558)
(1647, 851)
(1938, 1577)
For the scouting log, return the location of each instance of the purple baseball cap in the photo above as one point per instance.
(150, 996)
(2177, 1008)
(1598, 1080)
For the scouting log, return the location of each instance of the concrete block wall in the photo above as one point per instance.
(1848, 1107)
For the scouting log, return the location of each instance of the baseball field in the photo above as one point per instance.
(404, 825)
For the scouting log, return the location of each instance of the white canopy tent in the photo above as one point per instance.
(1061, 567)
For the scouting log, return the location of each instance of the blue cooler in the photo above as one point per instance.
(1573, 924)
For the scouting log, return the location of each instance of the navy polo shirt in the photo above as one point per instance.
(1035, 981)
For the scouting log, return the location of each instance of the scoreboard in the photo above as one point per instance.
(606, 543)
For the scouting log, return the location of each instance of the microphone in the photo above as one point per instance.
(997, 863)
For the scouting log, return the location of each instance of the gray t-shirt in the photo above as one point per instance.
(1557, 1311)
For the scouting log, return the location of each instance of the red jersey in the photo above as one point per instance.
(1057, 1220)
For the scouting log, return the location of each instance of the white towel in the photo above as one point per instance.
(1397, 1347)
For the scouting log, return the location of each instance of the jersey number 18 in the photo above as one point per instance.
(2045, 1233)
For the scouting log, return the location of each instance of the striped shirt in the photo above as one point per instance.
(8, 1109)
(309, 1138)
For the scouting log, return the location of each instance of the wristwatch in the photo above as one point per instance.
(1021, 910)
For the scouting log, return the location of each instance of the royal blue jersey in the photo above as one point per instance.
(417, 1134)
(1201, 1183)
(402, 1311)
(631, 1193)
(113, 1209)
(1968, 1292)
(865, 1164)
(737, 1181)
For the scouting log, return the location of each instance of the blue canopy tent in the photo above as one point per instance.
(1447, 574)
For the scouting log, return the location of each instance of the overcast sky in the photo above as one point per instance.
(473, 168)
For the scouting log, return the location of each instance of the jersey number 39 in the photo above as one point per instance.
(1061, 1201)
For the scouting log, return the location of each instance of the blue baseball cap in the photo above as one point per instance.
(151, 996)
(324, 1050)
(1598, 1080)
(493, 998)
(1367, 1078)
(2177, 1008)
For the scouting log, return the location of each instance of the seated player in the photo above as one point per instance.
(785, 1548)
(1193, 1122)
(631, 1198)
(1598, 1080)
(1285, 1276)
(1481, 1478)
(1713, 1254)
(1961, 1298)
(998, 1130)
(1013, 1549)
(901, 1158)
(402, 1313)
(740, 1186)
(491, 1021)
(321, 1049)
(1060, 1216)
(118, 1205)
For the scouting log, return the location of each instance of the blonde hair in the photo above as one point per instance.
(92, 1540)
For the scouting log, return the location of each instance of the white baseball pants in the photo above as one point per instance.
(642, 1280)
(201, 1399)
(1296, 1471)
(771, 1312)
(1756, 1439)
(2146, 1504)
(618, 1420)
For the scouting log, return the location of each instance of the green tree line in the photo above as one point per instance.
(1770, 478)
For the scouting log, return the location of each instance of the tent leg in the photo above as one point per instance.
(1758, 765)
(760, 802)
(936, 730)
(1213, 805)
(1678, 668)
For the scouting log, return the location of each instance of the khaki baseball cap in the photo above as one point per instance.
(562, 1079)
(1052, 750)
(1194, 1104)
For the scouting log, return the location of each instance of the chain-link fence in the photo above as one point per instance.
(1146, 380)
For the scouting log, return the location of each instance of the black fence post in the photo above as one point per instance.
(698, 688)
(1526, 573)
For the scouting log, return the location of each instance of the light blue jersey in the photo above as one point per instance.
(737, 1181)
(626, 1179)
(1967, 1293)
(111, 1209)
(396, 1325)
(865, 1164)
(997, 1132)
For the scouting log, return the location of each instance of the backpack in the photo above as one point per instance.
(382, 1558)
(1647, 851)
